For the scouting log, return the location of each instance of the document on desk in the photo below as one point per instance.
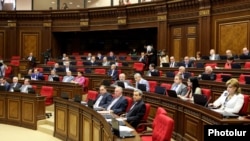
(125, 129)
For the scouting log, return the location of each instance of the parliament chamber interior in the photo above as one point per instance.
(189, 39)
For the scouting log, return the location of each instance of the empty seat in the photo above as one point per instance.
(247, 65)
(15, 57)
(152, 85)
(91, 95)
(244, 108)
(213, 65)
(138, 67)
(100, 71)
(15, 62)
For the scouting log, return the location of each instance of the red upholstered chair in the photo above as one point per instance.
(166, 85)
(51, 63)
(34, 87)
(79, 63)
(213, 65)
(8, 71)
(162, 131)
(46, 77)
(247, 65)
(130, 102)
(47, 91)
(40, 70)
(100, 71)
(15, 57)
(144, 119)
(138, 67)
(78, 58)
(152, 85)
(223, 77)
(206, 92)
(128, 58)
(75, 53)
(241, 78)
(160, 72)
(86, 84)
(15, 62)
(243, 110)
(91, 95)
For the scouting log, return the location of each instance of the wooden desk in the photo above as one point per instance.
(76, 122)
(21, 109)
(189, 118)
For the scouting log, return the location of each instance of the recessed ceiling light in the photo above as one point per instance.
(77, 5)
(70, 2)
(52, 2)
(89, 0)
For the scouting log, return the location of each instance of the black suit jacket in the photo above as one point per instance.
(135, 115)
(18, 85)
(106, 99)
(72, 69)
(120, 106)
(115, 74)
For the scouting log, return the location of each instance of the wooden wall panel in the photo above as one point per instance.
(30, 42)
(27, 110)
(14, 110)
(73, 126)
(60, 125)
(86, 125)
(2, 108)
(191, 46)
(177, 49)
(191, 129)
(234, 36)
(2, 44)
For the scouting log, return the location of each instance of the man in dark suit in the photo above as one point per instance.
(152, 70)
(67, 67)
(92, 61)
(119, 103)
(209, 72)
(187, 63)
(4, 83)
(137, 110)
(15, 84)
(32, 60)
(37, 75)
(172, 63)
(103, 99)
(143, 58)
(113, 72)
(245, 53)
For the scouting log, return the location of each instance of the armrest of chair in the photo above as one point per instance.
(145, 134)
(148, 124)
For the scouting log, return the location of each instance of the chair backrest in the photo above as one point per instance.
(79, 63)
(40, 70)
(138, 66)
(75, 53)
(92, 95)
(47, 91)
(243, 110)
(166, 85)
(8, 71)
(163, 129)
(160, 73)
(247, 65)
(206, 92)
(15, 57)
(223, 77)
(46, 77)
(86, 84)
(100, 71)
(51, 63)
(145, 117)
(159, 111)
(152, 85)
(15, 62)
(241, 78)
(130, 102)
(213, 65)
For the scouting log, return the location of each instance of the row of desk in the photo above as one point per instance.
(21, 109)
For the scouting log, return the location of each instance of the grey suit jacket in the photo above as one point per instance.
(24, 88)
(181, 89)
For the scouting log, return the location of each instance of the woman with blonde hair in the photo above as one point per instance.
(231, 100)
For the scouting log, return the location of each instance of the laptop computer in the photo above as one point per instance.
(55, 78)
(155, 73)
(225, 78)
(142, 87)
(64, 96)
(2, 88)
(236, 66)
(116, 130)
(160, 90)
(77, 98)
(247, 79)
(121, 84)
(31, 91)
(172, 93)
(90, 103)
(16, 89)
(205, 77)
(27, 77)
(165, 64)
(200, 99)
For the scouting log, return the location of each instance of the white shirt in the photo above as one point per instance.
(113, 103)
(98, 101)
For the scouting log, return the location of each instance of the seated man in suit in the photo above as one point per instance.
(187, 63)
(52, 74)
(113, 72)
(68, 77)
(68, 67)
(230, 54)
(182, 72)
(140, 80)
(143, 58)
(119, 103)
(172, 63)
(122, 78)
(3, 82)
(15, 84)
(92, 61)
(36, 75)
(245, 53)
(137, 110)
(152, 70)
(25, 86)
(57, 68)
(178, 86)
(105, 61)
(103, 99)
(208, 71)
(111, 56)
(214, 56)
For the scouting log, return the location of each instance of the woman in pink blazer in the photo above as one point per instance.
(79, 79)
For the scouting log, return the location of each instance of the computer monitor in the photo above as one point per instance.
(225, 78)
(142, 87)
(90, 103)
(155, 73)
(55, 78)
(31, 91)
(160, 90)
(16, 89)
(2, 88)
(205, 77)
(236, 66)
(200, 99)
(121, 84)
(172, 93)
(64, 96)
(165, 64)
(77, 98)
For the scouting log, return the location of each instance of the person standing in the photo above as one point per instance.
(32, 60)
